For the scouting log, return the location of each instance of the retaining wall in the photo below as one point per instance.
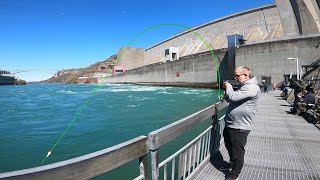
(199, 70)
(270, 58)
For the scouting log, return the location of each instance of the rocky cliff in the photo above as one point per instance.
(84, 75)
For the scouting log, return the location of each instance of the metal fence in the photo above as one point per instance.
(194, 153)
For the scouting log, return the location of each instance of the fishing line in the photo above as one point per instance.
(104, 78)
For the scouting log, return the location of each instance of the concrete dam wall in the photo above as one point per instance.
(270, 59)
(198, 70)
(255, 25)
(266, 59)
(273, 33)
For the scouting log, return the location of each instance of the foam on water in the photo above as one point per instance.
(164, 92)
(133, 105)
(66, 92)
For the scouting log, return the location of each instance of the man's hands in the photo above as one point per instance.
(226, 84)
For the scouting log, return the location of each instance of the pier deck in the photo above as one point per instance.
(280, 146)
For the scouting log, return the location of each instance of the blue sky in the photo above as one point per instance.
(63, 34)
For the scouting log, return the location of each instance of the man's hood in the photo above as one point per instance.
(253, 80)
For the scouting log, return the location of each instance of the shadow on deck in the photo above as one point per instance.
(280, 146)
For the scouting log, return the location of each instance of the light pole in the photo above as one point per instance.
(298, 77)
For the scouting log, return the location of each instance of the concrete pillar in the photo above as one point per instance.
(131, 58)
(314, 11)
(288, 18)
(304, 16)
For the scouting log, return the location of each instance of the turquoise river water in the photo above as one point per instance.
(33, 117)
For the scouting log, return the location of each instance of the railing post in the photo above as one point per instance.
(155, 164)
(143, 163)
(214, 140)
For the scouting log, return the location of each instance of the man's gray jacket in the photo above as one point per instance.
(242, 104)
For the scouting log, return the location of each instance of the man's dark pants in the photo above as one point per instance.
(235, 140)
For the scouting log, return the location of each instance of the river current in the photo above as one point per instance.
(33, 118)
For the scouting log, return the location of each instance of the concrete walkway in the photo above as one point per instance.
(280, 146)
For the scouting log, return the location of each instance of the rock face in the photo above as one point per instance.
(83, 75)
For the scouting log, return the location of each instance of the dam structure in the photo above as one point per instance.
(263, 38)
(280, 146)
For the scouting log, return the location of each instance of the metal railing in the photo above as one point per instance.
(90, 165)
(194, 153)
(189, 157)
(184, 163)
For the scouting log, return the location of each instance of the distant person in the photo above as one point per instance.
(265, 86)
(284, 88)
(274, 86)
(300, 107)
(239, 117)
(285, 92)
(298, 87)
(310, 87)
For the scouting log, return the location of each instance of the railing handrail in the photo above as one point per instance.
(165, 134)
(89, 165)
